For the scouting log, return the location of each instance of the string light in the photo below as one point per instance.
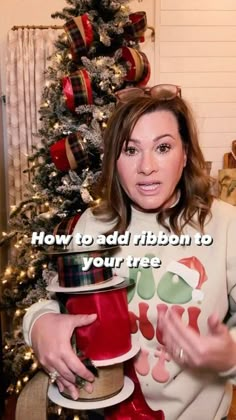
(25, 379)
(58, 58)
(8, 271)
(18, 312)
(34, 366)
(59, 410)
(100, 61)
(4, 234)
(28, 355)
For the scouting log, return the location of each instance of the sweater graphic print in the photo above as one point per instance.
(180, 284)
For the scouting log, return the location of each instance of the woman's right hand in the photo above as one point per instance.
(51, 341)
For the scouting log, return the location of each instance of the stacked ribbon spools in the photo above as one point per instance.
(107, 341)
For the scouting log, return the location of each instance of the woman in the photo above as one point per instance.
(154, 185)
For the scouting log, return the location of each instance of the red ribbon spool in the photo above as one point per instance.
(109, 336)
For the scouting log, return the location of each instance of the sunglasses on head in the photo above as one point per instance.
(163, 92)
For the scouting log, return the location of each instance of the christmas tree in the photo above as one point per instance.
(97, 54)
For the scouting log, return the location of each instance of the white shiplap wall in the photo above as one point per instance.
(196, 48)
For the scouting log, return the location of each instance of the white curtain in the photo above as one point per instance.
(27, 53)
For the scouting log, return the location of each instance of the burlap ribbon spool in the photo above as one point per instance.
(227, 185)
(70, 153)
(109, 382)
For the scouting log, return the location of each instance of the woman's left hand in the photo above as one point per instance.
(216, 350)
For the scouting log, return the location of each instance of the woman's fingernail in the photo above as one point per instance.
(89, 388)
(61, 387)
(75, 395)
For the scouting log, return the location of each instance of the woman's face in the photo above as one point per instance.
(151, 166)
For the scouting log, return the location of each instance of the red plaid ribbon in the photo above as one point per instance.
(136, 28)
(78, 151)
(58, 155)
(67, 225)
(80, 35)
(69, 153)
(146, 70)
(77, 89)
(71, 274)
(138, 67)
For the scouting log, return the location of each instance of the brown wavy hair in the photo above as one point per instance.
(195, 200)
